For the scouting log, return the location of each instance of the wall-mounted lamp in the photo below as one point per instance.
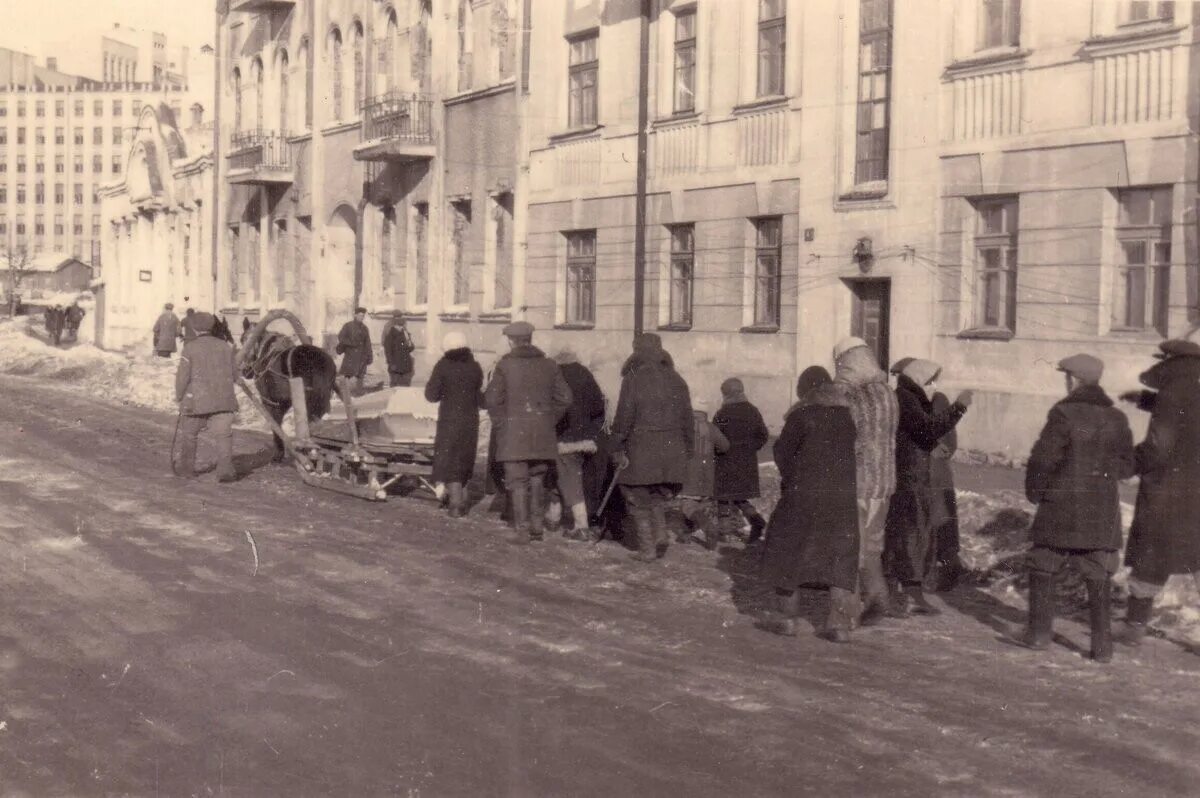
(863, 255)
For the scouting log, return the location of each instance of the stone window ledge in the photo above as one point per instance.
(986, 334)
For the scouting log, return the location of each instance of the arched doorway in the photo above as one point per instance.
(340, 240)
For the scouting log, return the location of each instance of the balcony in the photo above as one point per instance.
(397, 127)
(257, 6)
(259, 158)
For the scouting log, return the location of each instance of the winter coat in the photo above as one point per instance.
(186, 331)
(701, 469)
(526, 397)
(812, 537)
(876, 414)
(944, 509)
(1084, 450)
(456, 384)
(398, 347)
(584, 419)
(1165, 536)
(166, 330)
(653, 425)
(205, 377)
(907, 548)
(737, 467)
(354, 343)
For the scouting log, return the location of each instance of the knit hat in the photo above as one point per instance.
(203, 322)
(811, 378)
(1084, 368)
(453, 340)
(846, 344)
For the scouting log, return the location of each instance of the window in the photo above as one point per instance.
(582, 73)
(1142, 279)
(256, 69)
(39, 137)
(282, 66)
(305, 98)
(3, 108)
(3, 195)
(1134, 12)
(999, 24)
(996, 264)
(20, 193)
(20, 164)
(581, 277)
(116, 105)
(3, 166)
(460, 220)
(97, 107)
(116, 135)
(60, 108)
(78, 194)
(39, 193)
(360, 80)
(60, 136)
(20, 135)
(97, 164)
(60, 193)
(78, 137)
(40, 108)
(136, 106)
(77, 224)
(3, 136)
(39, 164)
(387, 239)
(78, 107)
(116, 165)
(96, 226)
(685, 60)
(768, 261)
(60, 165)
(78, 164)
(683, 266)
(21, 108)
(421, 253)
(772, 46)
(97, 135)
(59, 229)
(335, 67)
(39, 225)
(20, 225)
(502, 275)
(874, 68)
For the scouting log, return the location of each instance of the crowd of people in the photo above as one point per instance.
(867, 505)
(61, 320)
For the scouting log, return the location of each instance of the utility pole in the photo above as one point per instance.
(639, 234)
(221, 10)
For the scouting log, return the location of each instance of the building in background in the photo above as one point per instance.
(124, 54)
(45, 275)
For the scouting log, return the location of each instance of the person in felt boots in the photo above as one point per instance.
(1164, 538)
(696, 497)
(456, 384)
(736, 481)
(1083, 452)
(577, 432)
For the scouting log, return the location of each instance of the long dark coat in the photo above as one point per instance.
(585, 417)
(907, 545)
(1165, 536)
(456, 385)
(737, 467)
(166, 330)
(398, 347)
(205, 378)
(812, 537)
(701, 471)
(653, 425)
(526, 398)
(943, 512)
(1084, 450)
(354, 344)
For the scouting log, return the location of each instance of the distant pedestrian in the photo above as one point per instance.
(74, 318)
(1084, 450)
(57, 322)
(696, 496)
(1164, 538)
(908, 538)
(526, 397)
(166, 331)
(398, 347)
(456, 384)
(186, 330)
(813, 539)
(652, 435)
(247, 326)
(737, 467)
(354, 344)
(204, 390)
(577, 432)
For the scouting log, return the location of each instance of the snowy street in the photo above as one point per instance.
(150, 645)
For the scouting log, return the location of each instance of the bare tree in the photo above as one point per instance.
(18, 261)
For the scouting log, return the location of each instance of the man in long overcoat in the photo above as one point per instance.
(354, 344)
(1084, 450)
(204, 389)
(1165, 536)
(653, 440)
(398, 347)
(737, 468)
(166, 330)
(526, 397)
(456, 385)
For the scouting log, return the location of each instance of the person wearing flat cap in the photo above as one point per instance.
(166, 330)
(204, 390)
(1164, 538)
(526, 397)
(398, 347)
(354, 344)
(1084, 451)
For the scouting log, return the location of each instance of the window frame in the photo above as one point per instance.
(767, 312)
(686, 45)
(771, 81)
(1158, 12)
(579, 116)
(869, 73)
(579, 278)
(680, 292)
(1006, 242)
(1009, 33)
(1153, 235)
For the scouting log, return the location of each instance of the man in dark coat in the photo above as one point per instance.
(74, 317)
(1084, 451)
(166, 330)
(948, 566)
(737, 467)
(204, 389)
(908, 544)
(577, 432)
(186, 329)
(398, 347)
(57, 322)
(813, 536)
(526, 398)
(1164, 538)
(653, 441)
(354, 344)
(456, 385)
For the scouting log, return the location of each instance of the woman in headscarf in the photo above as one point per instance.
(812, 538)
(456, 384)
(908, 550)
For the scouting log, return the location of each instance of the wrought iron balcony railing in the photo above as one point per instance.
(260, 156)
(398, 117)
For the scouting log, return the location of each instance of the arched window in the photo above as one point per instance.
(256, 69)
(335, 67)
(281, 66)
(387, 54)
(360, 80)
(305, 121)
(237, 100)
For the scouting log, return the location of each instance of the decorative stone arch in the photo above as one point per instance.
(282, 66)
(304, 56)
(357, 68)
(258, 73)
(235, 79)
(334, 58)
(341, 243)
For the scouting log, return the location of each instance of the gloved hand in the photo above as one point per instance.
(965, 398)
(621, 460)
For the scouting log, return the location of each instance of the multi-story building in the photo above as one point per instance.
(123, 54)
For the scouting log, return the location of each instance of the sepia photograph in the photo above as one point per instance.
(571, 398)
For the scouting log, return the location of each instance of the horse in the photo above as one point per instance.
(271, 360)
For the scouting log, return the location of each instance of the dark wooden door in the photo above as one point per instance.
(871, 317)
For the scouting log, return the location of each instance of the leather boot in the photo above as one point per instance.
(1040, 629)
(1100, 612)
(537, 509)
(920, 605)
(662, 539)
(518, 505)
(454, 490)
(645, 536)
(837, 625)
(782, 619)
(757, 525)
(1137, 616)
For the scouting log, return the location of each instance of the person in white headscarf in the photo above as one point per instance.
(456, 384)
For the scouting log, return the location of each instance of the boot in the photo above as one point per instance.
(757, 525)
(950, 572)
(897, 600)
(537, 509)
(782, 619)
(841, 611)
(1137, 616)
(456, 504)
(518, 506)
(874, 588)
(580, 530)
(645, 537)
(920, 605)
(1100, 610)
(662, 540)
(1040, 630)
